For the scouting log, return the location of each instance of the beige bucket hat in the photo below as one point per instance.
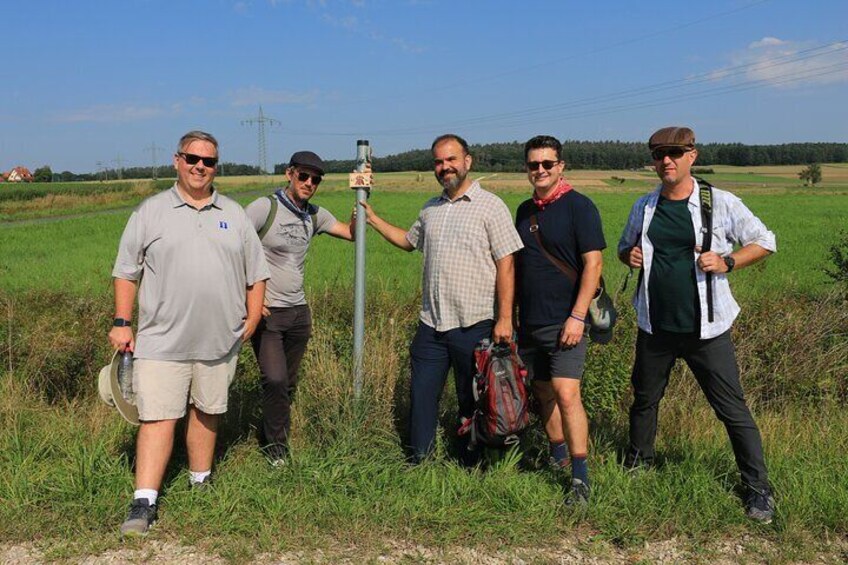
(110, 391)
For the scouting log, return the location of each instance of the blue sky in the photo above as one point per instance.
(96, 81)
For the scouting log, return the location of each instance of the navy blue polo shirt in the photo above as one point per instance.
(569, 227)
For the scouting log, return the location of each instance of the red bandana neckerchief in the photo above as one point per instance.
(562, 187)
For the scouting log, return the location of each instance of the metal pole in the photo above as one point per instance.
(363, 157)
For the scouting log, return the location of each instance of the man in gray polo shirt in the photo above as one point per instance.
(197, 265)
(286, 326)
(467, 237)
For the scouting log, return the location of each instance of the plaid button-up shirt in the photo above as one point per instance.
(733, 223)
(461, 240)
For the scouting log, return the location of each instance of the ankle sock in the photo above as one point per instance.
(559, 453)
(197, 477)
(148, 493)
(579, 469)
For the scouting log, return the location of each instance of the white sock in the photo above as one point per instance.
(148, 493)
(197, 477)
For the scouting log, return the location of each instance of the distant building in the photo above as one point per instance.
(18, 174)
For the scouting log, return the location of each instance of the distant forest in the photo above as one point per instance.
(509, 157)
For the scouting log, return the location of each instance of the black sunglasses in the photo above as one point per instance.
(192, 159)
(547, 165)
(673, 152)
(302, 177)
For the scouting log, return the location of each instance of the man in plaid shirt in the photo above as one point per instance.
(684, 306)
(467, 238)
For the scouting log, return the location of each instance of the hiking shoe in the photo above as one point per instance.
(276, 454)
(142, 515)
(759, 505)
(578, 495)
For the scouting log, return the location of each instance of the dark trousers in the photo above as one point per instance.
(432, 354)
(713, 362)
(279, 344)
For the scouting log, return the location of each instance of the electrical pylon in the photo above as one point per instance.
(261, 120)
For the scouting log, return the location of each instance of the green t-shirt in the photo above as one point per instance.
(672, 288)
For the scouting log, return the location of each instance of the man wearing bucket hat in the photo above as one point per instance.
(195, 261)
(287, 222)
(557, 275)
(684, 306)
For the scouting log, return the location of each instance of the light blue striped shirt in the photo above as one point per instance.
(733, 223)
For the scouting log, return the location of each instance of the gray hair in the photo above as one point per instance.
(196, 135)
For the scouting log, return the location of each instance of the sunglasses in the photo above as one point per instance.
(192, 159)
(547, 165)
(673, 152)
(303, 177)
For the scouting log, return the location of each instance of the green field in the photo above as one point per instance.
(66, 459)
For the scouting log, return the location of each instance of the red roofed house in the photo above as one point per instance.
(18, 174)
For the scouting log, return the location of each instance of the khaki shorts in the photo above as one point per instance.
(163, 389)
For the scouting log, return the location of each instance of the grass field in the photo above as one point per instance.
(66, 460)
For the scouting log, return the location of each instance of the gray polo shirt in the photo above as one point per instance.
(285, 245)
(194, 266)
(461, 240)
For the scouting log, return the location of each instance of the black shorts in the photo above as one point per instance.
(541, 352)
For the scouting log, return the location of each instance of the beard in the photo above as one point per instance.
(452, 183)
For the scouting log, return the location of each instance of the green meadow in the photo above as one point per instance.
(66, 460)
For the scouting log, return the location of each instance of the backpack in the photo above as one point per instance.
(501, 397)
(272, 213)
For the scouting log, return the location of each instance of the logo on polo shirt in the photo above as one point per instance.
(223, 225)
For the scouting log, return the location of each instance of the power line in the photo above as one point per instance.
(153, 148)
(261, 120)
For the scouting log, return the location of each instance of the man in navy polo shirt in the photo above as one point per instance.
(561, 231)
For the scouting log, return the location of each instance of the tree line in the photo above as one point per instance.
(621, 155)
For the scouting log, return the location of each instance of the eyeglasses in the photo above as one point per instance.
(673, 152)
(192, 159)
(547, 165)
(303, 177)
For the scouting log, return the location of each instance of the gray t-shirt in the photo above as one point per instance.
(285, 247)
(194, 266)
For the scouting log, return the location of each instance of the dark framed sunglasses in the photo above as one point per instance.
(546, 164)
(192, 159)
(303, 177)
(673, 152)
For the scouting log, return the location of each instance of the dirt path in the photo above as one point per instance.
(748, 549)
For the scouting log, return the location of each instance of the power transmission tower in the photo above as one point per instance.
(120, 162)
(104, 172)
(261, 120)
(153, 148)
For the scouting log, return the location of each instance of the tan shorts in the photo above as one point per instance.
(163, 389)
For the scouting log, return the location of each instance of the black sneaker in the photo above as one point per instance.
(759, 505)
(276, 454)
(578, 495)
(142, 515)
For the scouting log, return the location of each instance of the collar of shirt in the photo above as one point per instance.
(180, 201)
(467, 195)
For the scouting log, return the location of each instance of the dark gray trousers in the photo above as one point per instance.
(713, 362)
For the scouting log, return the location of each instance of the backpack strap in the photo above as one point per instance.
(313, 215)
(269, 221)
(705, 195)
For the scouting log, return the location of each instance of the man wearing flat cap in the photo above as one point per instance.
(286, 222)
(684, 305)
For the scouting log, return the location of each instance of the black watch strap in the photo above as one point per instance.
(121, 323)
(730, 262)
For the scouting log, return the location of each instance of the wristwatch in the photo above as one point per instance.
(730, 262)
(121, 323)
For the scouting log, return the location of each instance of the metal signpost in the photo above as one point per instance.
(360, 181)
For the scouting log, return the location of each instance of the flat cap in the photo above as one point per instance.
(672, 137)
(307, 159)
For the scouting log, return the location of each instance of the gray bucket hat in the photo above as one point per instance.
(110, 391)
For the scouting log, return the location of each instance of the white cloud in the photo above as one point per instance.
(114, 113)
(788, 64)
(254, 95)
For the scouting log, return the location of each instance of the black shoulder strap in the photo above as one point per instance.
(269, 221)
(705, 195)
(313, 215)
(566, 269)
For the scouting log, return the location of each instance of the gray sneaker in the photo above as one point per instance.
(578, 495)
(759, 505)
(142, 515)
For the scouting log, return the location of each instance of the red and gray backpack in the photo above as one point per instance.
(500, 393)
